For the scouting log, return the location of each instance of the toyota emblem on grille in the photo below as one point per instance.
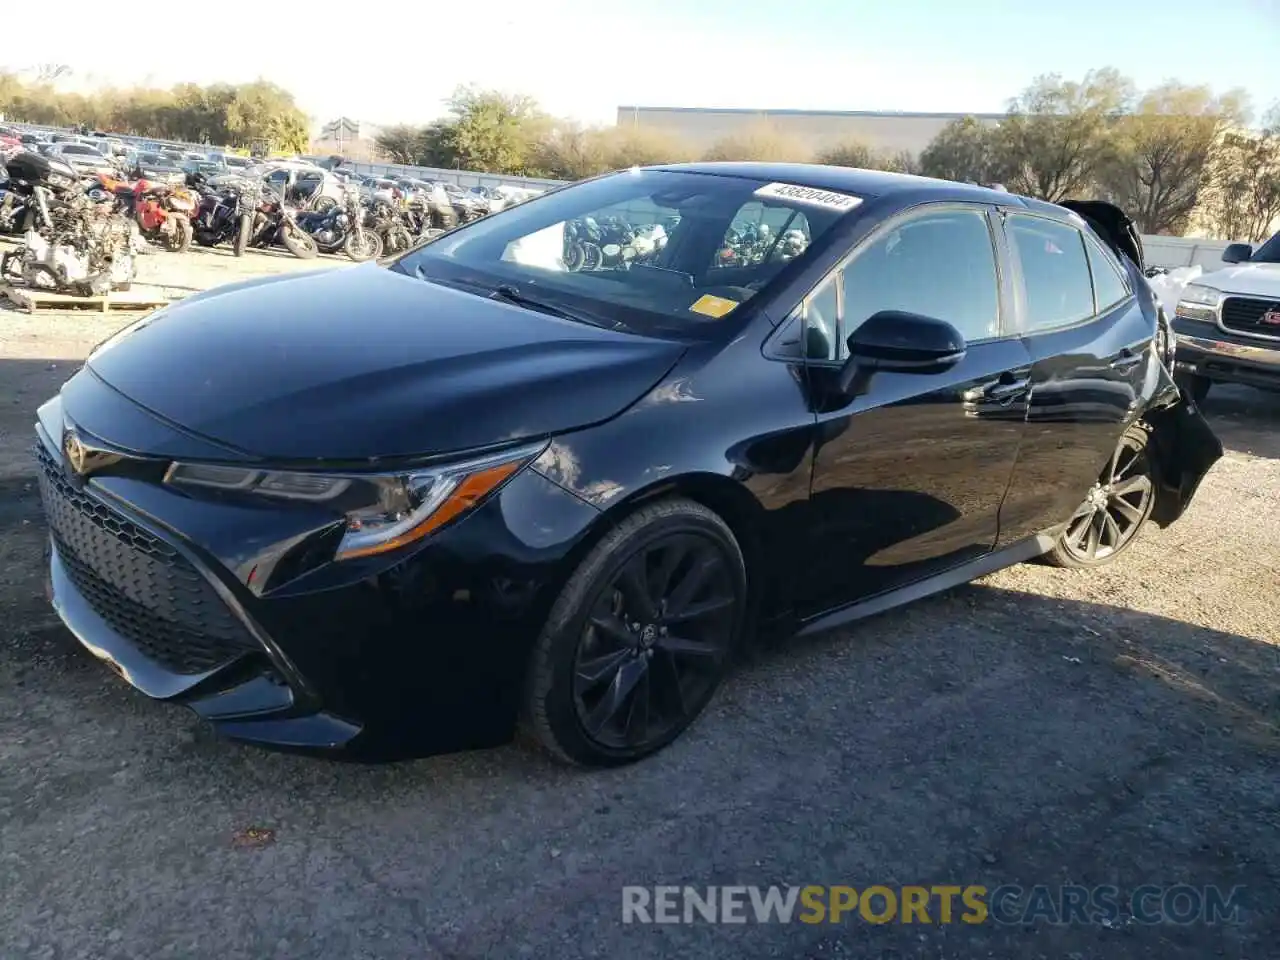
(75, 452)
(1271, 318)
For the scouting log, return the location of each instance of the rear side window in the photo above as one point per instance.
(1109, 287)
(1055, 272)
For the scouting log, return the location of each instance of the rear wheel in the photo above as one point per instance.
(639, 638)
(1114, 511)
(298, 242)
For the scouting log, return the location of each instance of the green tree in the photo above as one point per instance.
(1161, 154)
(1054, 139)
(491, 131)
(234, 116)
(963, 150)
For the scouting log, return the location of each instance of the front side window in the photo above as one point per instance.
(1055, 272)
(637, 248)
(940, 265)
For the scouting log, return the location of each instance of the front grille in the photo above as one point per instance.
(1244, 314)
(141, 586)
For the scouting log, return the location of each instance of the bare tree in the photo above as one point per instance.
(399, 143)
(1242, 195)
(761, 141)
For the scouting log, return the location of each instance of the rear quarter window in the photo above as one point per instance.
(1055, 272)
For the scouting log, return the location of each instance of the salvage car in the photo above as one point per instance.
(1228, 322)
(405, 507)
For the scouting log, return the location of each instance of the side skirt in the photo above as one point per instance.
(1023, 550)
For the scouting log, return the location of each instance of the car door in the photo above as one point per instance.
(1089, 341)
(908, 477)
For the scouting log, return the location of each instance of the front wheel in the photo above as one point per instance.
(362, 244)
(1114, 511)
(298, 242)
(639, 638)
(241, 242)
(180, 240)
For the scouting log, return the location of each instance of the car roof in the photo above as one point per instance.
(862, 183)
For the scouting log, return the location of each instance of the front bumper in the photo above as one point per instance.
(424, 655)
(1206, 350)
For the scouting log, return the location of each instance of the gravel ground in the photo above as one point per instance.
(1036, 727)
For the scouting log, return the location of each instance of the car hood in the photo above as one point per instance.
(1246, 279)
(364, 364)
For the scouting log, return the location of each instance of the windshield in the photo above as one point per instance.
(77, 149)
(647, 248)
(1269, 252)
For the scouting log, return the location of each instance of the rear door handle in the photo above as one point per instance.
(1127, 360)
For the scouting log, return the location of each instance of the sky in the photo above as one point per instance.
(397, 63)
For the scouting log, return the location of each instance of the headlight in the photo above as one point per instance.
(1199, 302)
(383, 512)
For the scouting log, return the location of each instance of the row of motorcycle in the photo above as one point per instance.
(82, 236)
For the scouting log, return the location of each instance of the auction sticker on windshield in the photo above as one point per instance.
(812, 196)
(710, 306)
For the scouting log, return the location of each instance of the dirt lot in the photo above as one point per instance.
(1036, 727)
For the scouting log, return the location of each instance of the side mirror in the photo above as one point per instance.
(1237, 253)
(895, 341)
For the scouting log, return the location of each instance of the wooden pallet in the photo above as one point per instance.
(31, 300)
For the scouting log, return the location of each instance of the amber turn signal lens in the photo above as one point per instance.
(466, 495)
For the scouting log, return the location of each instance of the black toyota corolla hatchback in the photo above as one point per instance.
(552, 469)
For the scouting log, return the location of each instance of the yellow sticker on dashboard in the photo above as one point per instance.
(710, 306)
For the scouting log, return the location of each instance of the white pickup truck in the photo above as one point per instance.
(1228, 322)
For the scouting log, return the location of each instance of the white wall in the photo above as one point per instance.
(1184, 252)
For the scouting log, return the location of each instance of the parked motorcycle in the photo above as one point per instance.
(343, 228)
(70, 243)
(392, 228)
(162, 212)
(219, 213)
(270, 220)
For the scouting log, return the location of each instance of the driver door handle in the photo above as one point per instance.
(1008, 388)
(1127, 360)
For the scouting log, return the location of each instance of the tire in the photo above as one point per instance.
(180, 240)
(298, 242)
(1108, 514)
(362, 244)
(1194, 386)
(396, 240)
(241, 242)
(580, 715)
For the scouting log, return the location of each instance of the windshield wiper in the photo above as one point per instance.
(514, 295)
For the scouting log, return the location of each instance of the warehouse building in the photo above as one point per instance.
(816, 129)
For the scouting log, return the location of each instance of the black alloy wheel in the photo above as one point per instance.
(1114, 510)
(640, 637)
